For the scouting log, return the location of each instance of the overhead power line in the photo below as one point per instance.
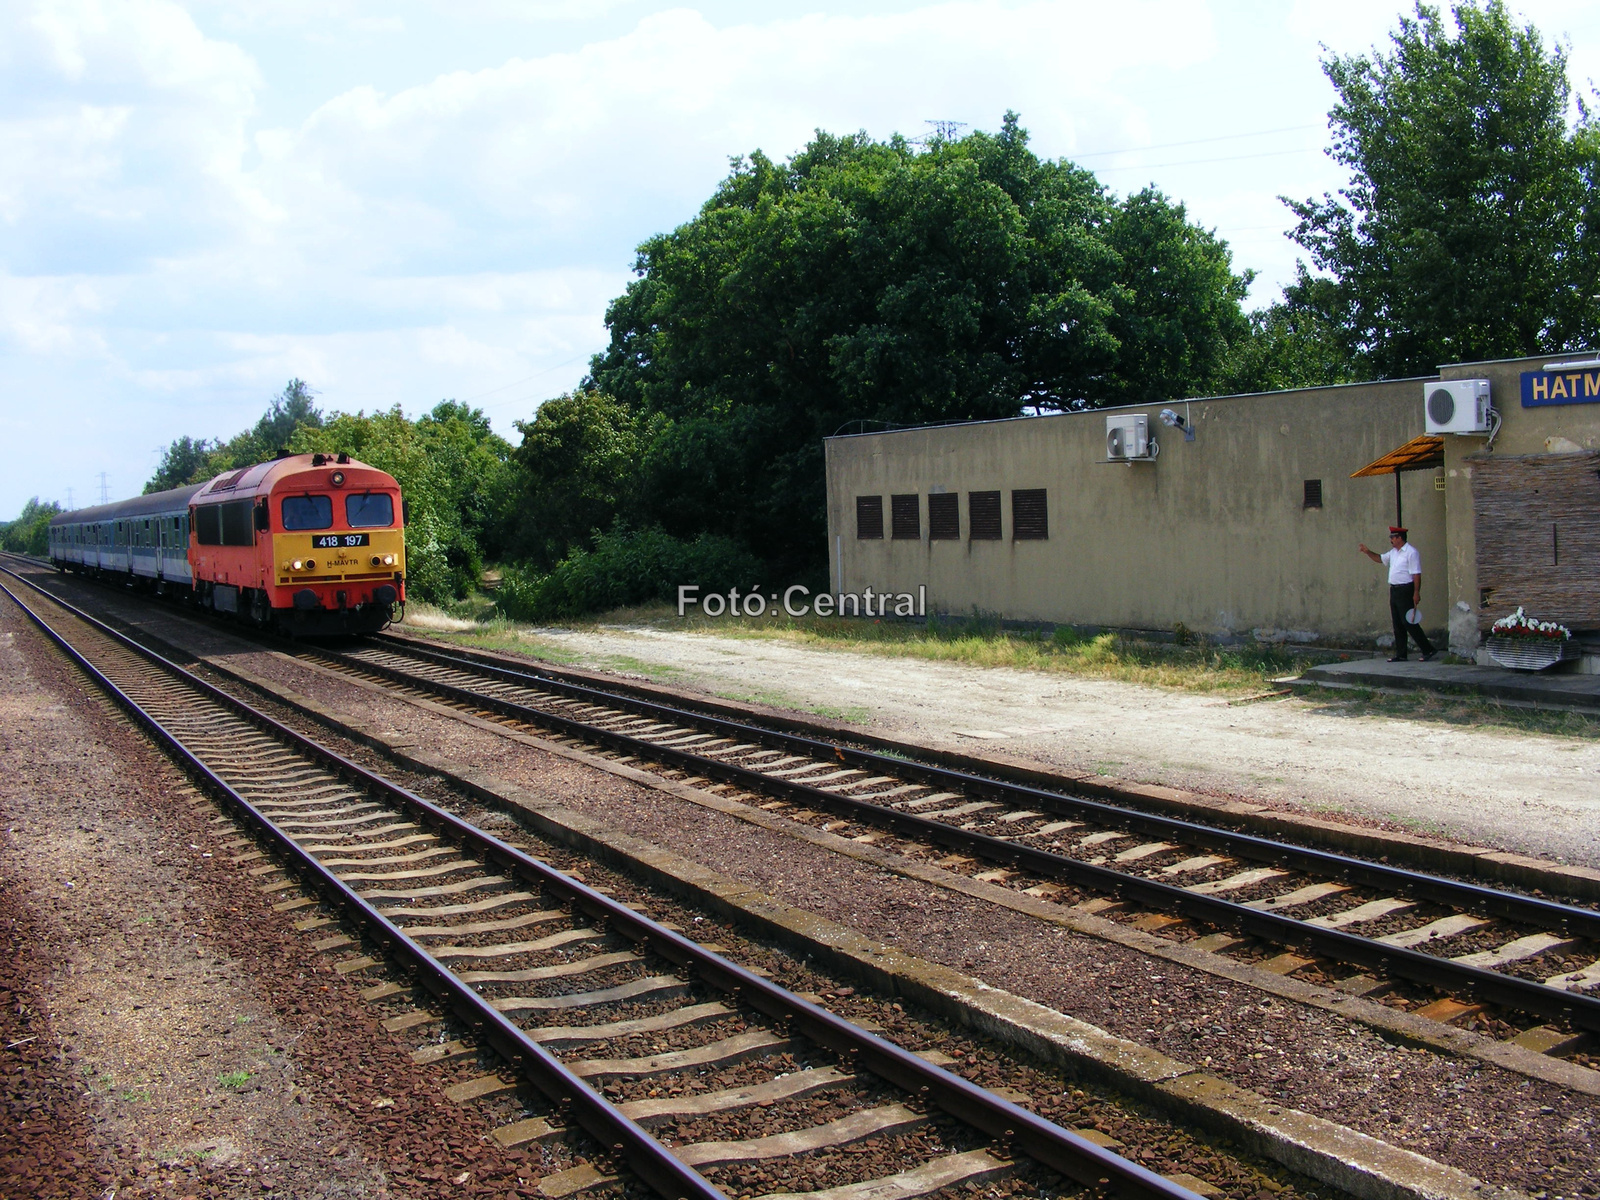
(525, 379)
(1229, 137)
(1201, 162)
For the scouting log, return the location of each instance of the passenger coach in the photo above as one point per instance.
(308, 544)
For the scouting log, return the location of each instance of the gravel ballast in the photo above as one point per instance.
(1478, 1118)
(197, 1045)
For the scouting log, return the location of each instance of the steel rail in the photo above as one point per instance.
(1573, 920)
(1060, 1149)
(653, 1162)
(1508, 990)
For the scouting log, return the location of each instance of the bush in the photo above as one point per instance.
(625, 567)
(29, 533)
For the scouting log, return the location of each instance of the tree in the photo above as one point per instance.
(873, 280)
(1179, 315)
(1469, 228)
(186, 460)
(30, 532)
(290, 409)
(578, 470)
(1292, 344)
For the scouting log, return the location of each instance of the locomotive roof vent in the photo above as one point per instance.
(318, 460)
(344, 458)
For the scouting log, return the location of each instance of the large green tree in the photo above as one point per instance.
(1469, 228)
(577, 471)
(879, 282)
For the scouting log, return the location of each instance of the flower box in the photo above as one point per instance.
(1530, 654)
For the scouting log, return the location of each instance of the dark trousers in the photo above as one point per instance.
(1399, 601)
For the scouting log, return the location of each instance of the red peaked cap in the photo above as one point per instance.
(1398, 529)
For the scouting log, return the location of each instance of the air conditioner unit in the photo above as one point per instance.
(1456, 406)
(1127, 436)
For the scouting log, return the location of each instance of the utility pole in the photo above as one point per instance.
(105, 494)
(69, 499)
(946, 131)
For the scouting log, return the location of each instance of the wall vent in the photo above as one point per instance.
(983, 516)
(1029, 515)
(869, 517)
(944, 516)
(905, 517)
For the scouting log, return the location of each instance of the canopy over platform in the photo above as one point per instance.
(1421, 453)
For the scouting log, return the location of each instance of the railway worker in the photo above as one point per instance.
(1405, 591)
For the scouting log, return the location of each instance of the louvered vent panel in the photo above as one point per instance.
(944, 516)
(869, 516)
(1029, 515)
(983, 516)
(905, 516)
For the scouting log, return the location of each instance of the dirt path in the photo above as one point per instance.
(1515, 791)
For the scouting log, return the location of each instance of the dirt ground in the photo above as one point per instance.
(1531, 793)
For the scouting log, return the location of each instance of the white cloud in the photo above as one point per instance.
(122, 133)
(414, 199)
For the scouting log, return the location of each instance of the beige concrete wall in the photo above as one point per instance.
(1211, 535)
(1543, 430)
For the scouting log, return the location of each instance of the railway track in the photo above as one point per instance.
(1458, 949)
(559, 981)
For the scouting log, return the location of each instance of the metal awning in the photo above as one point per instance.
(1419, 454)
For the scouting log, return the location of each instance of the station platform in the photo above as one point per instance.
(1564, 690)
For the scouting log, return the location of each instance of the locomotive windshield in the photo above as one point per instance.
(369, 509)
(308, 512)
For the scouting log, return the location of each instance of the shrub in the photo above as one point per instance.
(625, 567)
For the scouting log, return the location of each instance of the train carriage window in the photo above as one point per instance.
(367, 510)
(308, 512)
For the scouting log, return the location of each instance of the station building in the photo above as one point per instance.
(1240, 516)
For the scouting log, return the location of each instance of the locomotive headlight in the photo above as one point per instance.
(388, 560)
(298, 565)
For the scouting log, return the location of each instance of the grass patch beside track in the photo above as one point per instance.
(1197, 667)
(970, 641)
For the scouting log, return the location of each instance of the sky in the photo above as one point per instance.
(405, 202)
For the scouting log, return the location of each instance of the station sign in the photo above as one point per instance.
(1540, 388)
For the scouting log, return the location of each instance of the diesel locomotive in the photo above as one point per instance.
(308, 544)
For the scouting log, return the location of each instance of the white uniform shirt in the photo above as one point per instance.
(1404, 563)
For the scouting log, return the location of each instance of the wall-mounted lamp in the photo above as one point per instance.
(1173, 419)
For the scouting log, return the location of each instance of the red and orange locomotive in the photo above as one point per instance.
(309, 544)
